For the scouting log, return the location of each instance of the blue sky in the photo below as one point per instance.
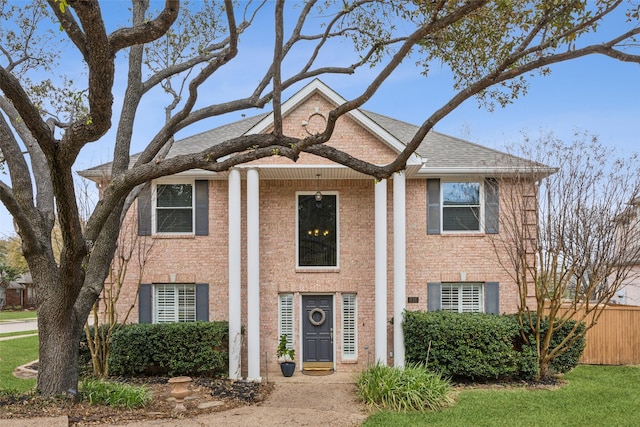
(594, 94)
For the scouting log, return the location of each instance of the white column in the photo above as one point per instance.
(381, 272)
(253, 275)
(235, 319)
(399, 265)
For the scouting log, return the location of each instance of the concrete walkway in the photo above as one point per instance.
(36, 422)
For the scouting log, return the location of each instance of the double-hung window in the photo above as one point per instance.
(174, 303)
(461, 206)
(458, 206)
(174, 211)
(174, 206)
(317, 230)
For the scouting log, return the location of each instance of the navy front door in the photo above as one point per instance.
(317, 330)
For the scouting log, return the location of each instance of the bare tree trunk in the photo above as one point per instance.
(543, 367)
(59, 331)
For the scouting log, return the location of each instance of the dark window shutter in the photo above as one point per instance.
(434, 296)
(492, 297)
(433, 206)
(144, 304)
(202, 302)
(491, 206)
(144, 211)
(202, 208)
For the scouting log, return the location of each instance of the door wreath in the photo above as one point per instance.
(319, 322)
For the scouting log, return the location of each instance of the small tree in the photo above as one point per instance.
(566, 235)
(131, 248)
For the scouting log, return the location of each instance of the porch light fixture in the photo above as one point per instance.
(318, 195)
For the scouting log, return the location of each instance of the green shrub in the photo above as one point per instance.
(463, 346)
(481, 347)
(193, 348)
(570, 357)
(412, 388)
(99, 392)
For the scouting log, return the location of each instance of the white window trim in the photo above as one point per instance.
(318, 267)
(481, 227)
(459, 286)
(176, 302)
(349, 356)
(154, 206)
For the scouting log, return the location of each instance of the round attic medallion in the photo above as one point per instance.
(315, 124)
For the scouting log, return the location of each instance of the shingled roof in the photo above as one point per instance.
(439, 154)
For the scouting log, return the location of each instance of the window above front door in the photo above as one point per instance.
(317, 230)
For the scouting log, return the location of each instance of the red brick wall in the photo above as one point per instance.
(430, 258)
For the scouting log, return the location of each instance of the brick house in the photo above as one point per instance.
(629, 292)
(20, 292)
(317, 251)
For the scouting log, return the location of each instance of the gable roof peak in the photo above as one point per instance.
(318, 86)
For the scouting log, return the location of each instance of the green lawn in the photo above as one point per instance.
(17, 315)
(593, 396)
(14, 353)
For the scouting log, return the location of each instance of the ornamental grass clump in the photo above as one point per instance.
(99, 392)
(412, 388)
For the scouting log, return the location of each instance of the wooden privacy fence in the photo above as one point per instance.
(615, 339)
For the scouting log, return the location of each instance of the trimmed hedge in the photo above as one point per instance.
(191, 348)
(478, 347)
(469, 345)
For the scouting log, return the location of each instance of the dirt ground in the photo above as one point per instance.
(315, 401)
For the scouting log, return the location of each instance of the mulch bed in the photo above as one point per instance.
(208, 395)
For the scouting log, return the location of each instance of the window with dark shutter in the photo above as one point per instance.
(464, 297)
(460, 206)
(456, 206)
(174, 208)
(180, 208)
